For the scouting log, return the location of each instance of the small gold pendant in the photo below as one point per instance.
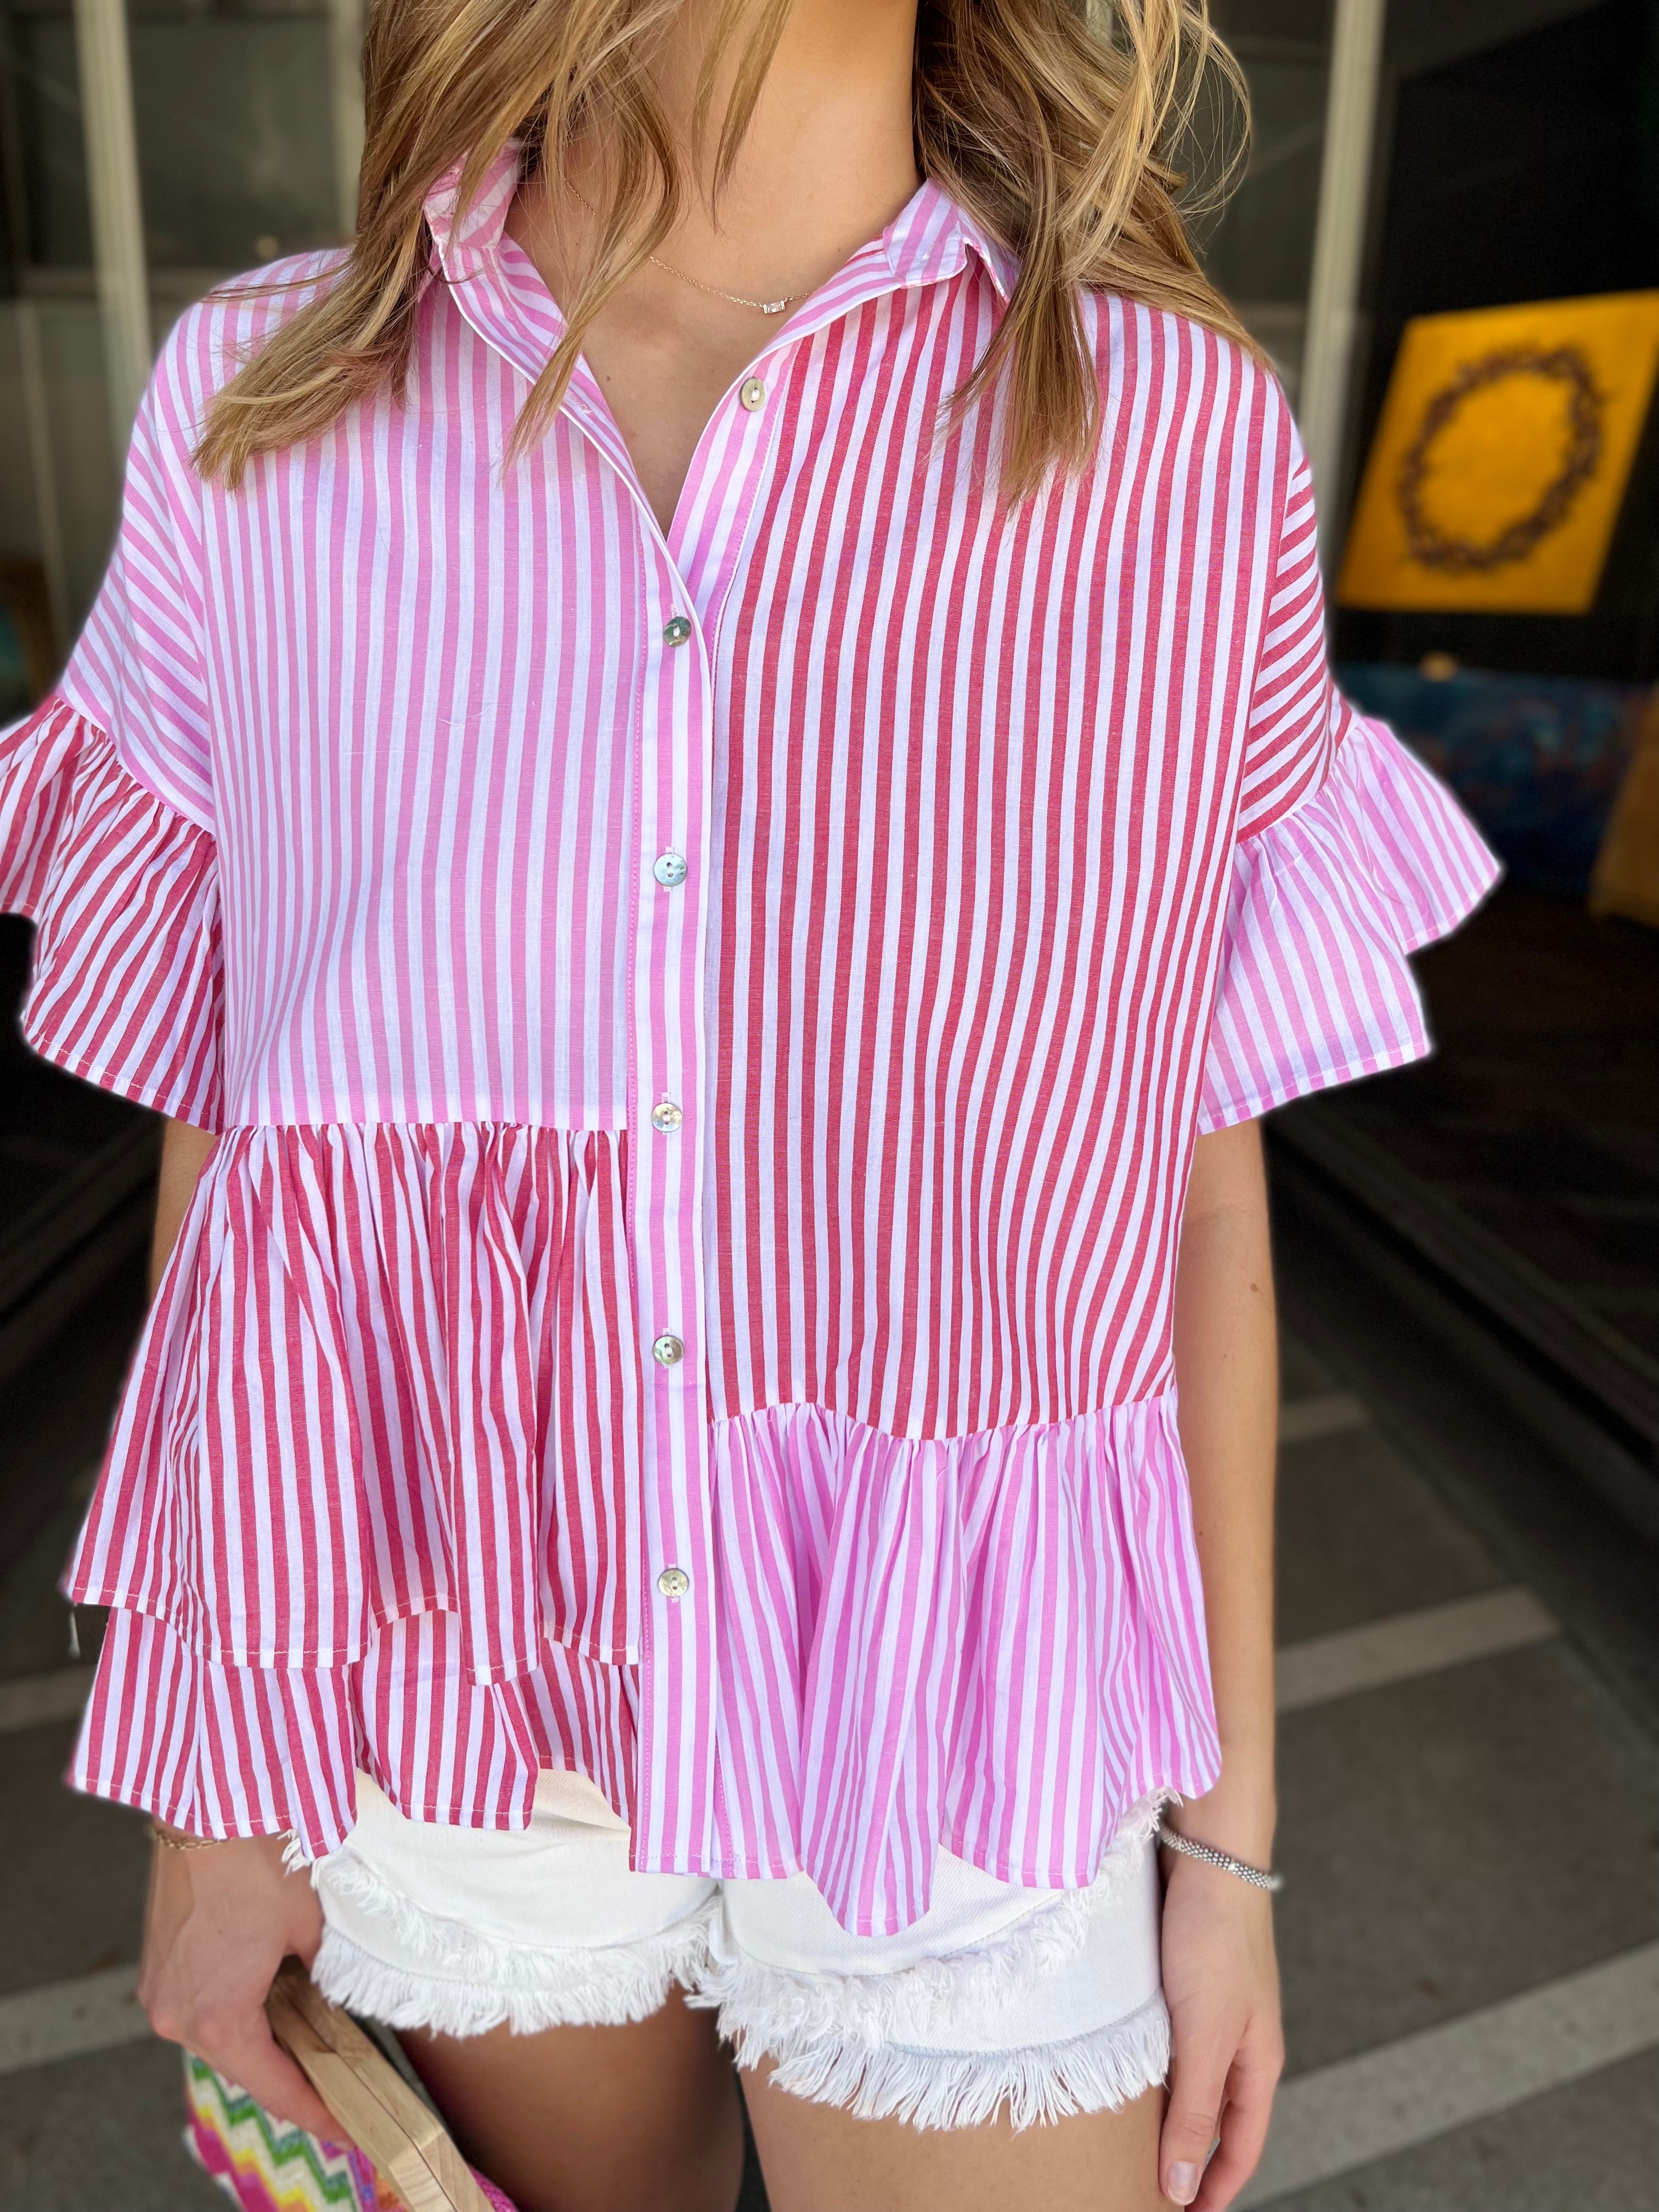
(771, 306)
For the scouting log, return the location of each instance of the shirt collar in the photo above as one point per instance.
(928, 240)
(465, 242)
(932, 235)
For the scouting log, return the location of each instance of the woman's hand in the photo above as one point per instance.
(1219, 1973)
(219, 1923)
(1221, 1982)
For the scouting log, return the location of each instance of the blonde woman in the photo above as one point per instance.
(705, 784)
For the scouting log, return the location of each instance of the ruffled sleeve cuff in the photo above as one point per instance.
(126, 991)
(1326, 904)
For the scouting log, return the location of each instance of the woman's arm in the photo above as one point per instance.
(221, 1920)
(184, 1153)
(1219, 1973)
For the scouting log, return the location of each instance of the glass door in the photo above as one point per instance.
(1260, 250)
(147, 151)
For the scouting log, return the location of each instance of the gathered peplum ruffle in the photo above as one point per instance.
(389, 1371)
(893, 1612)
(904, 1622)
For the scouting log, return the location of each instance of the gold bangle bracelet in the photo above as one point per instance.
(175, 1839)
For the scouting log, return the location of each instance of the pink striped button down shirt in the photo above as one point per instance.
(708, 1029)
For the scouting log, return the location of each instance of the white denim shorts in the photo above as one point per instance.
(1040, 2003)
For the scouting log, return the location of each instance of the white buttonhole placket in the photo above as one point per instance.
(674, 1823)
(677, 1579)
(674, 1811)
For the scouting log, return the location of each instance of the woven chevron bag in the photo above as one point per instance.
(403, 2162)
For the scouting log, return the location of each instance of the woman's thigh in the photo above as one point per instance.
(642, 2118)
(534, 1980)
(1008, 2049)
(819, 2158)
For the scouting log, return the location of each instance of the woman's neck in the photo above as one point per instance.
(827, 161)
(825, 165)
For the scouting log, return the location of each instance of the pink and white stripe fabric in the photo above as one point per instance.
(127, 989)
(708, 1029)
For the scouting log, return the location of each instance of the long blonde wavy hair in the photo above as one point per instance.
(1059, 131)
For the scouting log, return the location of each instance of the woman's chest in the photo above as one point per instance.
(843, 676)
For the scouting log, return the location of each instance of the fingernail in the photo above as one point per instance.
(1183, 2183)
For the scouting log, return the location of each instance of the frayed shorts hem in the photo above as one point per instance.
(608, 1985)
(1034, 2005)
(1100, 2071)
(1034, 2086)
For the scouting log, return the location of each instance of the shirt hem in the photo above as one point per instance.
(1251, 1105)
(158, 1097)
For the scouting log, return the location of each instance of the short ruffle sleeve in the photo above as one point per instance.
(126, 991)
(106, 812)
(1351, 855)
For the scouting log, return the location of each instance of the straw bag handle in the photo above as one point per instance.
(402, 2138)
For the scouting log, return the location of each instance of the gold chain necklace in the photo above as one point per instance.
(715, 292)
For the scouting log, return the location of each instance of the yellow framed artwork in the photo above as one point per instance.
(1500, 461)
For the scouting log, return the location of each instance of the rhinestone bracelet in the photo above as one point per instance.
(1256, 1876)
